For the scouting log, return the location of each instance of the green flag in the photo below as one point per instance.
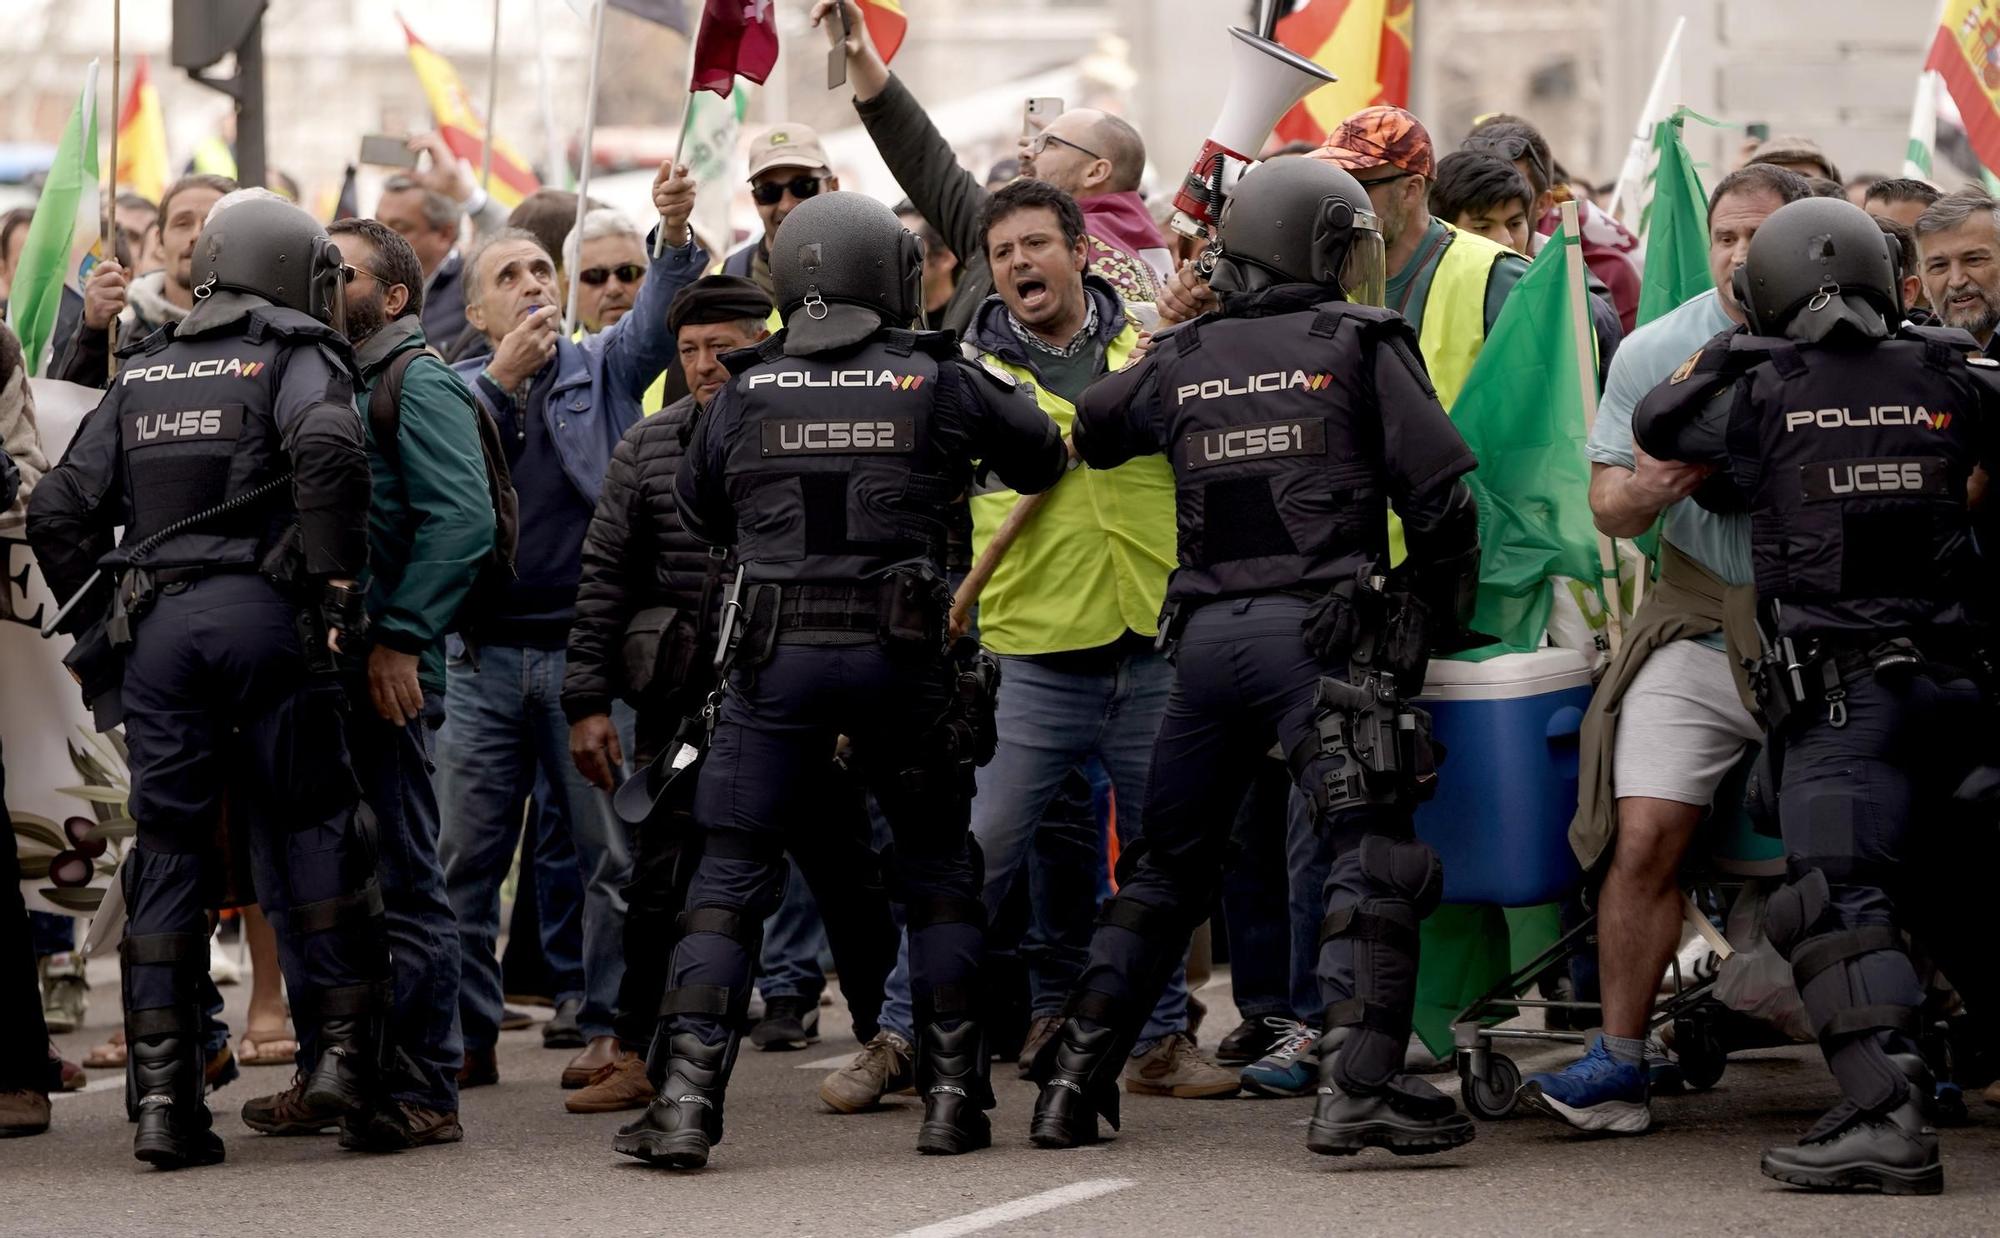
(66, 211)
(1521, 412)
(1675, 226)
(713, 123)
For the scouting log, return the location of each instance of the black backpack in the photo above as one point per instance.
(496, 572)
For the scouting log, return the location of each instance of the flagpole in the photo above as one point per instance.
(557, 167)
(1642, 133)
(1586, 367)
(492, 102)
(584, 162)
(687, 117)
(109, 237)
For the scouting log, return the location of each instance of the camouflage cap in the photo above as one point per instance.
(1378, 137)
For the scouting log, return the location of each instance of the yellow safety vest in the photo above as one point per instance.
(1094, 561)
(1454, 328)
(1455, 311)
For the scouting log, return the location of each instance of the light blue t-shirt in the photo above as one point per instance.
(1647, 358)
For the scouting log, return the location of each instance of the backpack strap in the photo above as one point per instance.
(385, 402)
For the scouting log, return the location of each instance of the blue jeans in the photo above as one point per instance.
(503, 724)
(558, 903)
(793, 939)
(395, 765)
(1049, 722)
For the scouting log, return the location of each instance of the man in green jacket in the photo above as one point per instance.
(430, 527)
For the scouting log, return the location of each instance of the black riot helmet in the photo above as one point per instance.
(1295, 219)
(843, 266)
(269, 248)
(1816, 264)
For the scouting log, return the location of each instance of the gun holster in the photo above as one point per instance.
(132, 595)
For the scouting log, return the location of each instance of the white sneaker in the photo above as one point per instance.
(221, 968)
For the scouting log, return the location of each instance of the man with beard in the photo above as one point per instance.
(1958, 237)
(430, 525)
(142, 304)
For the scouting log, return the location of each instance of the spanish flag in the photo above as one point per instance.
(886, 24)
(1966, 54)
(142, 138)
(463, 131)
(1365, 42)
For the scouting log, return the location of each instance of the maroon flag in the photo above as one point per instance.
(735, 37)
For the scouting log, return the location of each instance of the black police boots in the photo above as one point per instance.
(952, 1078)
(174, 1125)
(1895, 1153)
(343, 1079)
(685, 1119)
(1405, 1114)
(1078, 1069)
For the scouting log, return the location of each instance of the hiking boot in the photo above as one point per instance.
(788, 1023)
(221, 1070)
(957, 1092)
(63, 989)
(562, 1031)
(1895, 1153)
(398, 1127)
(1040, 1032)
(1289, 1069)
(885, 1064)
(621, 1085)
(1174, 1067)
(23, 1113)
(685, 1119)
(1253, 1038)
(1594, 1093)
(287, 1113)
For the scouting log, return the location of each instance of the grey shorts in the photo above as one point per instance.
(1681, 726)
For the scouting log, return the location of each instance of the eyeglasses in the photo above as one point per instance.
(1513, 148)
(627, 273)
(770, 193)
(1041, 143)
(348, 272)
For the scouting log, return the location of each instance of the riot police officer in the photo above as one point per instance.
(829, 463)
(230, 450)
(1295, 417)
(1849, 437)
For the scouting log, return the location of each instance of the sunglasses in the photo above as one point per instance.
(627, 273)
(770, 193)
(1513, 150)
(1042, 140)
(348, 272)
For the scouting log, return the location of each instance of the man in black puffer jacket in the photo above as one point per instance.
(647, 611)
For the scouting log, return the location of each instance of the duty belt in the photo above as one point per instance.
(829, 608)
(1788, 681)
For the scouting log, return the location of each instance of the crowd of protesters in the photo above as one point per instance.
(487, 741)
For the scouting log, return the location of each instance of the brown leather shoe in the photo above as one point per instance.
(398, 1127)
(23, 1113)
(480, 1068)
(286, 1113)
(621, 1085)
(602, 1051)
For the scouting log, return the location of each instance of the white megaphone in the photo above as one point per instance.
(1265, 80)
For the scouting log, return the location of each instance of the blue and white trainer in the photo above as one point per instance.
(1594, 1093)
(1288, 1069)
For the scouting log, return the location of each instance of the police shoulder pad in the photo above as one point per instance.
(1984, 363)
(997, 374)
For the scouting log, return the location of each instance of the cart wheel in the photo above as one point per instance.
(1491, 1095)
(1699, 1048)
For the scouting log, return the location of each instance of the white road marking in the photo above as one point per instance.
(824, 1063)
(1019, 1209)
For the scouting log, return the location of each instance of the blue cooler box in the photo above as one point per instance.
(1507, 789)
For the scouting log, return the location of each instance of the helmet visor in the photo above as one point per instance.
(1363, 273)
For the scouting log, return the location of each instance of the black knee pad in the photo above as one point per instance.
(1796, 910)
(1408, 868)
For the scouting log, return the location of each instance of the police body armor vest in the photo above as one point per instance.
(197, 427)
(1276, 450)
(1854, 462)
(843, 467)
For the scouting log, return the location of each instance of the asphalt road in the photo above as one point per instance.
(787, 1168)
